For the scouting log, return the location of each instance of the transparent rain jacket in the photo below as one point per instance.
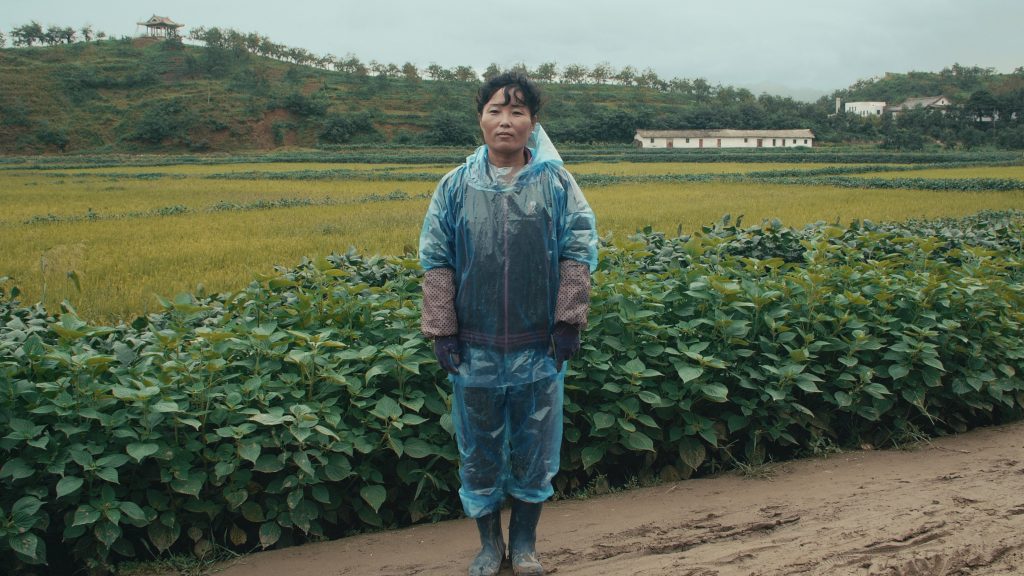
(504, 241)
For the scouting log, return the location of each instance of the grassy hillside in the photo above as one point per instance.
(144, 95)
(147, 95)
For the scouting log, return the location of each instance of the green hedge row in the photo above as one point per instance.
(307, 405)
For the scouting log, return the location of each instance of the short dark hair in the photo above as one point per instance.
(511, 82)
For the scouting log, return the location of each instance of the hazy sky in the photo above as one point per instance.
(799, 47)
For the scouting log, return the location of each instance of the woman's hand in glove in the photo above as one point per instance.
(565, 342)
(446, 348)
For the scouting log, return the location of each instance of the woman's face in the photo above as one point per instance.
(506, 127)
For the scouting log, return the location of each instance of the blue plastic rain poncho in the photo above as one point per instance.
(504, 240)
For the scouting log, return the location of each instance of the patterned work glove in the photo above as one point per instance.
(565, 342)
(446, 348)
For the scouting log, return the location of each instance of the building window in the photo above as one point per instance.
(687, 140)
(744, 140)
(794, 140)
(652, 140)
(805, 140)
(773, 141)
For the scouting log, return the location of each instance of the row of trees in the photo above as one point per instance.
(33, 34)
(602, 73)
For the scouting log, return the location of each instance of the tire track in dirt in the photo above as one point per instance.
(952, 507)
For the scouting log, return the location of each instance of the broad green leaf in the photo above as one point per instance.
(715, 392)
(387, 409)
(139, 450)
(338, 468)
(236, 498)
(591, 455)
(413, 419)
(28, 545)
(190, 485)
(807, 385)
(843, 399)
(649, 397)
(163, 536)
(16, 469)
(603, 420)
(634, 366)
(877, 390)
(374, 496)
(249, 451)
(268, 464)
(688, 373)
(897, 371)
(85, 515)
(252, 512)
(68, 485)
(638, 441)
(24, 510)
(274, 418)
(302, 461)
(914, 395)
(709, 435)
(270, 533)
(132, 510)
(692, 452)
(321, 494)
(417, 448)
(108, 474)
(107, 532)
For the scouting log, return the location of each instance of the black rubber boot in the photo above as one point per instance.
(492, 546)
(522, 539)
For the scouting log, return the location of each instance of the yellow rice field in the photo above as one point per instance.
(127, 253)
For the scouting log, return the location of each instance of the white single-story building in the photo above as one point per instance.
(723, 138)
(865, 109)
(939, 103)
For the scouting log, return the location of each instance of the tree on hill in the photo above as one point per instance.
(3, 39)
(410, 72)
(28, 35)
(58, 34)
(546, 72)
(492, 71)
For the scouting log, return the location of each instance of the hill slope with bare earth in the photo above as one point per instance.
(953, 506)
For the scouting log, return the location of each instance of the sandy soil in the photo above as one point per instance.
(949, 507)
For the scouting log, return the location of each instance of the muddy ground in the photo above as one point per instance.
(950, 506)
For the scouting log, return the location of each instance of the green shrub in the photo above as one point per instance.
(308, 405)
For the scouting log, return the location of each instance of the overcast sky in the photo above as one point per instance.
(804, 48)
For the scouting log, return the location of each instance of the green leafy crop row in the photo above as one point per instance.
(308, 405)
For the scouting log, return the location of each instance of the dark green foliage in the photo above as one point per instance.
(164, 120)
(343, 129)
(53, 137)
(902, 139)
(451, 129)
(308, 405)
(302, 105)
(1012, 138)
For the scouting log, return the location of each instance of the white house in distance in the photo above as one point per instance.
(930, 102)
(879, 109)
(865, 108)
(723, 138)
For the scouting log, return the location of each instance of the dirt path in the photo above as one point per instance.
(954, 506)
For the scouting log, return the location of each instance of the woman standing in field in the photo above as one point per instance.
(507, 245)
